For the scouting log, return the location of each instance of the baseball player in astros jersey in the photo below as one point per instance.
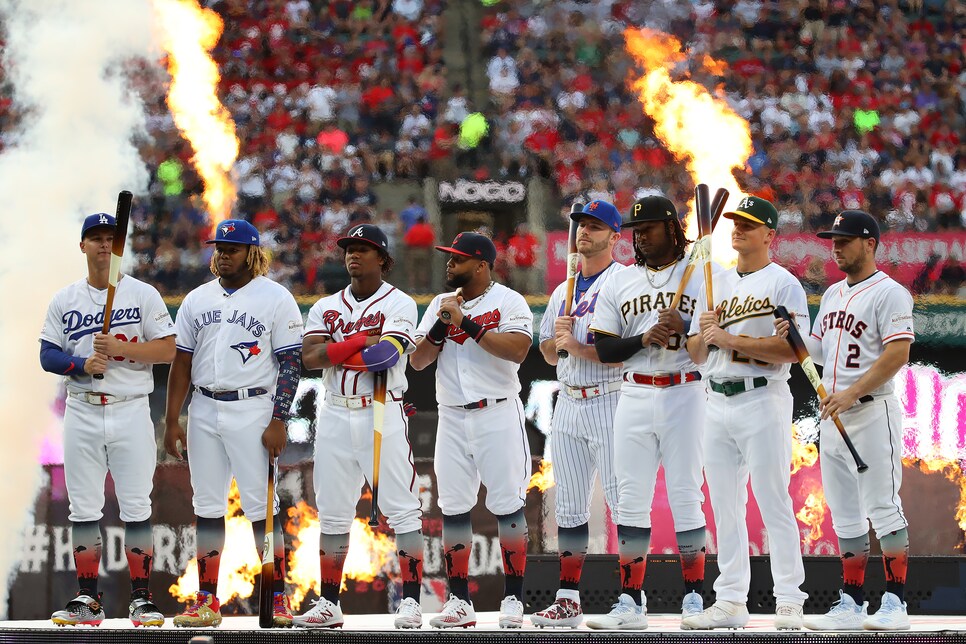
(366, 327)
(660, 414)
(747, 430)
(239, 347)
(480, 334)
(107, 422)
(862, 335)
(581, 443)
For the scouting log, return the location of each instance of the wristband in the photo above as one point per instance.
(438, 332)
(472, 329)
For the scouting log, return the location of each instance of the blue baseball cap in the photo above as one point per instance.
(853, 223)
(472, 245)
(235, 231)
(97, 220)
(602, 210)
(367, 233)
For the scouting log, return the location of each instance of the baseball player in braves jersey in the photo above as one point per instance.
(366, 327)
(480, 334)
(747, 430)
(862, 335)
(660, 414)
(581, 443)
(107, 422)
(239, 342)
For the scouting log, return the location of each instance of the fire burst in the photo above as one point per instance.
(542, 479)
(188, 34)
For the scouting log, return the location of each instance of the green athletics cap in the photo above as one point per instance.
(757, 210)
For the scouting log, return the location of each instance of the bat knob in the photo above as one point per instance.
(373, 523)
(445, 315)
(563, 354)
(863, 467)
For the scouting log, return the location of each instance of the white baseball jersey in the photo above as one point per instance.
(77, 312)
(748, 303)
(573, 371)
(855, 323)
(465, 372)
(234, 336)
(387, 312)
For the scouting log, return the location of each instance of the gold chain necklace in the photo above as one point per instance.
(476, 300)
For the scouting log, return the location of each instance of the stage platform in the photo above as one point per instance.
(365, 629)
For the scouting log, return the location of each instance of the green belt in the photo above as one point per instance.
(734, 387)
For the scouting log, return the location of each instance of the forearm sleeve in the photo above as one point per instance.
(54, 360)
(289, 372)
(612, 350)
(379, 357)
(338, 352)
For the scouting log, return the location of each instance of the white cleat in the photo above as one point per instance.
(562, 613)
(788, 617)
(721, 614)
(511, 612)
(409, 614)
(693, 604)
(323, 614)
(845, 615)
(457, 613)
(891, 616)
(625, 615)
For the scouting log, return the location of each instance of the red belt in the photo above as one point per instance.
(661, 379)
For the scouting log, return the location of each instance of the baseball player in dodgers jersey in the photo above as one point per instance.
(862, 335)
(660, 414)
(239, 342)
(366, 327)
(481, 334)
(748, 418)
(107, 422)
(582, 438)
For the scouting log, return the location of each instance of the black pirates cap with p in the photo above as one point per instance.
(650, 208)
(367, 233)
(235, 231)
(472, 245)
(97, 220)
(853, 223)
(755, 209)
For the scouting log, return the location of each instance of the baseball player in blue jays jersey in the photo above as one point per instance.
(239, 348)
(581, 442)
(107, 422)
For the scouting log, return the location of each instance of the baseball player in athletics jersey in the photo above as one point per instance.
(660, 414)
(239, 349)
(480, 334)
(748, 418)
(581, 442)
(107, 422)
(862, 335)
(365, 328)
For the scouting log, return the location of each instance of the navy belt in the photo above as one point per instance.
(866, 399)
(735, 387)
(480, 404)
(240, 394)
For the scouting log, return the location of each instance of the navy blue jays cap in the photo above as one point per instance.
(96, 220)
(472, 245)
(602, 210)
(853, 223)
(235, 231)
(366, 233)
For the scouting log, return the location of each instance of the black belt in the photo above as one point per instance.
(480, 404)
(734, 387)
(233, 395)
(866, 398)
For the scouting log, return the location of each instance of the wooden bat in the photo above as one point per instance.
(266, 587)
(121, 216)
(717, 207)
(378, 417)
(702, 205)
(572, 259)
(801, 353)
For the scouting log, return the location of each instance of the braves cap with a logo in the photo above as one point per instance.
(755, 209)
(97, 220)
(235, 231)
(366, 233)
(853, 223)
(602, 210)
(651, 208)
(472, 245)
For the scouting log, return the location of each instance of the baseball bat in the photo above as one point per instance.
(378, 416)
(717, 207)
(572, 259)
(445, 314)
(121, 217)
(801, 353)
(702, 204)
(266, 587)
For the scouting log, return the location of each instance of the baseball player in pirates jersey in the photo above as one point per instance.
(660, 414)
(480, 334)
(862, 335)
(747, 430)
(581, 443)
(107, 422)
(366, 327)
(239, 348)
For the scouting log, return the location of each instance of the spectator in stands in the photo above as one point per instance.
(419, 240)
(522, 250)
(412, 213)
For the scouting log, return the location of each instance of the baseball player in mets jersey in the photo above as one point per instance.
(660, 414)
(581, 442)
(107, 422)
(480, 334)
(747, 430)
(239, 348)
(365, 328)
(862, 335)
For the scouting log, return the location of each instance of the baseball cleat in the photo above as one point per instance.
(281, 612)
(142, 610)
(721, 614)
(323, 614)
(891, 616)
(409, 614)
(204, 611)
(788, 617)
(457, 613)
(562, 613)
(511, 612)
(845, 615)
(82, 610)
(625, 615)
(693, 604)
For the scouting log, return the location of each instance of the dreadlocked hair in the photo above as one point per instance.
(257, 262)
(674, 230)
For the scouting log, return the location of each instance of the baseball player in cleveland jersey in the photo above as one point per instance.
(365, 328)
(107, 422)
(862, 335)
(660, 414)
(581, 442)
(747, 430)
(480, 335)
(239, 348)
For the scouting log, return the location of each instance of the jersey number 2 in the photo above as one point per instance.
(851, 361)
